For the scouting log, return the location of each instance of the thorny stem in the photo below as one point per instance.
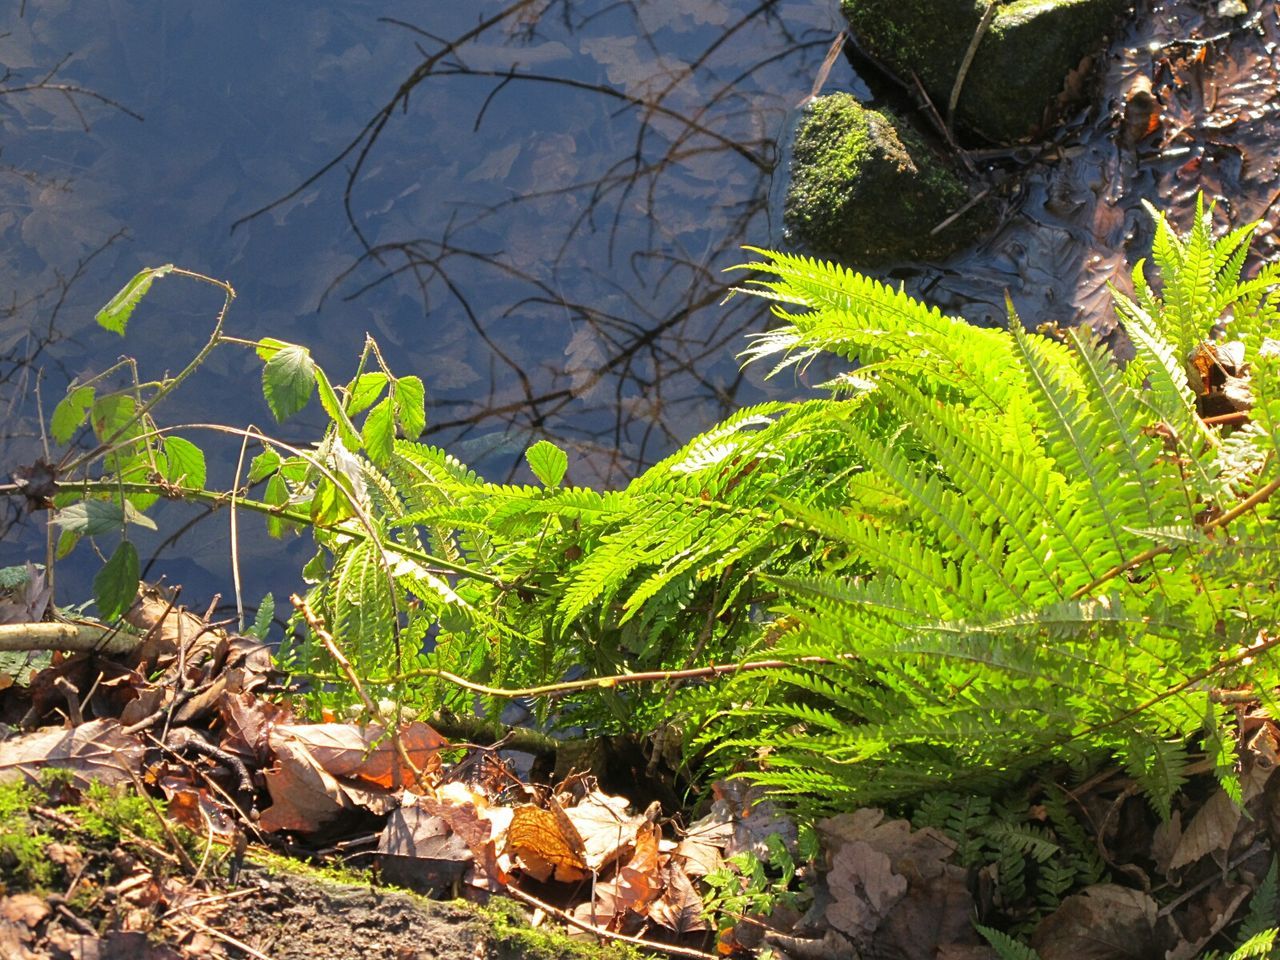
(168, 386)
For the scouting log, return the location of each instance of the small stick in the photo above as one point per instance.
(224, 937)
(821, 78)
(978, 34)
(573, 921)
(961, 212)
(942, 127)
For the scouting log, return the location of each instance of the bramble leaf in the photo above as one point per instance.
(365, 391)
(185, 465)
(548, 462)
(116, 585)
(94, 517)
(115, 315)
(379, 432)
(287, 378)
(70, 413)
(411, 406)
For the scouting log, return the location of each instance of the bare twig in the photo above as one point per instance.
(987, 16)
(573, 921)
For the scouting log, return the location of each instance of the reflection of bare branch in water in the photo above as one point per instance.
(652, 330)
(37, 316)
(71, 92)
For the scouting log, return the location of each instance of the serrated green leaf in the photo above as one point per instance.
(262, 621)
(263, 465)
(115, 315)
(70, 413)
(268, 347)
(411, 406)
(315, 569)
(365, 391)
(548, 462)
(379, 432)
(95, 517)
(333, 407)
(185, 465)
(67, 541)
(330, 504)
(110, 414)
(288, 378)
(276, 494)
(116, 585)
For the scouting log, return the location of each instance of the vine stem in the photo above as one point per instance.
(168, 386)
(592, 683)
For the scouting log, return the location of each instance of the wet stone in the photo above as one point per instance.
(866, 190)
(1019, 67)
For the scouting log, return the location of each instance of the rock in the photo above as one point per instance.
(1019, 68)
(866, 190)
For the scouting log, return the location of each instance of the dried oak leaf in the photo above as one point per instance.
(547, 844)
(1104, 922)
(98, 750)
(679, 908)
(864, 888)
(364, 753)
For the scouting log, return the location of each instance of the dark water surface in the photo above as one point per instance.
(528, 204)
(536, 221)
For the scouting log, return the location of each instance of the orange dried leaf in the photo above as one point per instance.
(547, 843)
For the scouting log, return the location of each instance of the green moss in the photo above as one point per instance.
(1020, 65)
(867, 190)
(24, 864)
(514, 939)
(503, 919)
(322, 873)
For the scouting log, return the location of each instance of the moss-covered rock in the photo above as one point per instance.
(866, 190)
(1018, 69)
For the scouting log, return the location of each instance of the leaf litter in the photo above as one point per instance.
(183, 716)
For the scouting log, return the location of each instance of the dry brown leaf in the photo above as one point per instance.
(640, 880)
(1105, 922)
(247, 723)
(1216, 909)
(1209, 832)
(754, 819)
(363, 753)
(864, 888)
(679, 908)
(305, 795)
(418, 849)
(470, 817)
(168, 628)
(98, 750)
(605, 826)
(915, 854)
(547, 843)
(934, 919)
